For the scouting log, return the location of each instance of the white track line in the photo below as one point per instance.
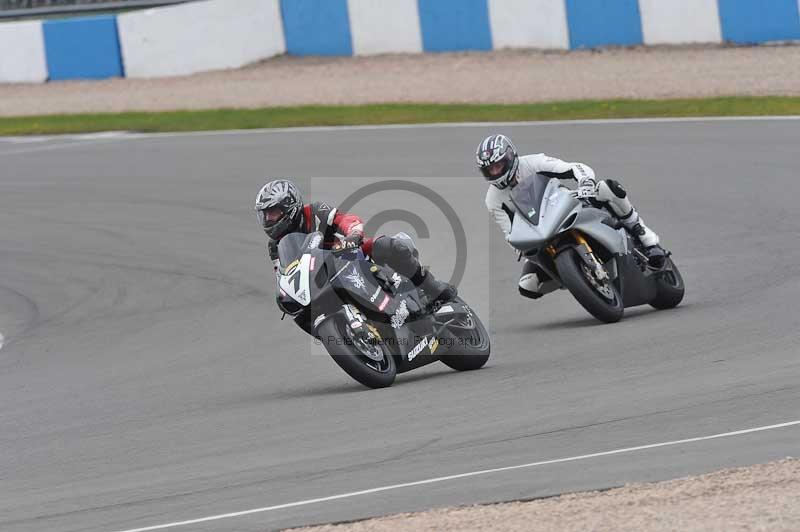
(2, 340)
(63, 146)
(459, 476)
(33, 139)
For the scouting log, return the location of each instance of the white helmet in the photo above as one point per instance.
(497, 160)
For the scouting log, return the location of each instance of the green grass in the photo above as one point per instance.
(393, 114)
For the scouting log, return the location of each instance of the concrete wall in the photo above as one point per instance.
(680, 21)
(529, 24)
(382, 26)
(194, 37)
(218, 34)
(82, 48)
(27, 62)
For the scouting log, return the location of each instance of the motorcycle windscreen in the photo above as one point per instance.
(292, 246)
(527, 196)
(555, 214)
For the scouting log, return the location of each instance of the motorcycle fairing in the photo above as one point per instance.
(635, 287)
(590, 222)
(556, 212)
(353, 288)
(559, 211)
(527, 196)
(451, 309)
(294, 281)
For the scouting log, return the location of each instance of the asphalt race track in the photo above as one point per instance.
(146, 377)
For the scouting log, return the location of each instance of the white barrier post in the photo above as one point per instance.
(199, 36)
(23, 59)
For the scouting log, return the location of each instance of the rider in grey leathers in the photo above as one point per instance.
(502, 167)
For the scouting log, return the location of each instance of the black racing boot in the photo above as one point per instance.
(436, 291)
(656, 255)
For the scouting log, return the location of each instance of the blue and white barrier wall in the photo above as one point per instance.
(218, 34)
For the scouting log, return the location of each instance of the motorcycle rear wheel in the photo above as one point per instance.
(474, 345)
(670, 288)
(344, 349)
(575, 279)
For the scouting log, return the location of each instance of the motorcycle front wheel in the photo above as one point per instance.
(601, 299)
(371, 364)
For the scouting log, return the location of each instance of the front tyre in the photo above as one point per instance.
(600, 298)
(472, 347)
(371, 364)
(669, 288)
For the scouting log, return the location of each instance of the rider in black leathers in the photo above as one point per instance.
(281, 211)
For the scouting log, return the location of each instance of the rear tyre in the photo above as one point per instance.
(670, 288)
(370, 364)
(601, 300)
(472, 347)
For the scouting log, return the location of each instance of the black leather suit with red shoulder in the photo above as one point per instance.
(335, 226)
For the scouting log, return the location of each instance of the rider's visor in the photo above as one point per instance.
(273, 214)
(495, 170)
(270, 216)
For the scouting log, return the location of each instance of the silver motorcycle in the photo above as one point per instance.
(585, 249)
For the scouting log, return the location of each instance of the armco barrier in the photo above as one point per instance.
(27, 61)
(215, 34)
(189, 38)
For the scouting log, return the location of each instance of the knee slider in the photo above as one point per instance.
(529, 294)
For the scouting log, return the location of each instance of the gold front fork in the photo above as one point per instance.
(600, 271)
(579, 238)
(551, 250)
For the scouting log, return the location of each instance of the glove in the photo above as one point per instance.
(350, 243)
(586, 191)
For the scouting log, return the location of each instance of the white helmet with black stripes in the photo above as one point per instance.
(497, 160)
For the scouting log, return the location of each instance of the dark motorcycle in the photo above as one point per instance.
(373, 322)
(584, 248)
